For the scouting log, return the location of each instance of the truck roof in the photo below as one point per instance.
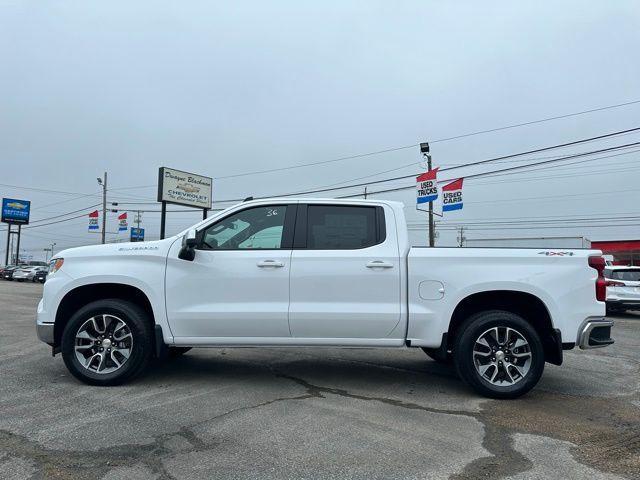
(326, 200)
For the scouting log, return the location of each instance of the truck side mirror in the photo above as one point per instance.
(189, 242)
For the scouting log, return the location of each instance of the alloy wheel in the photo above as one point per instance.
(103, 344)
(502, 356)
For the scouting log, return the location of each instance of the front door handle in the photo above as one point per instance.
(379, 264)
(270, 263)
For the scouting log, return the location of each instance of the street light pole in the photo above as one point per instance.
(104, 205)
(424, 149)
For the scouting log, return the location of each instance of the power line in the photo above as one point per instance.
(64, 214)
(548, 227)
(494, 159)
(562, 216)
(43, 190)
(405, 147)
(77, 197)
(542, 221)
(404, 177)
(533, 122)
(518, 167)
(52, 223)
(568, 173)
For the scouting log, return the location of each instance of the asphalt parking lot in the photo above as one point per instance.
(311, 413)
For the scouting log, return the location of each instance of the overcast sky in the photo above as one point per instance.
(225, 88)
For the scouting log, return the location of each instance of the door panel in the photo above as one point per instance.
(343, 292)
(238, 283)
(228, 294)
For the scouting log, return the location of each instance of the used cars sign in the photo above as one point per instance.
(183, 188)
(15, 211)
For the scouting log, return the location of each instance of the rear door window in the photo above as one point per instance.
(338, 227)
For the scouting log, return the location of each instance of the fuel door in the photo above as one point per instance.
(431, 290)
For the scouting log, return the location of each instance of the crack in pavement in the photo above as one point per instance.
(81, 465)
(504, 460)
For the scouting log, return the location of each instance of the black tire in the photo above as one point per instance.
(435, 354)
(138, 324)
(175, 352)
(472, 329)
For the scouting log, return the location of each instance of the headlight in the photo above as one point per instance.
(55, 264)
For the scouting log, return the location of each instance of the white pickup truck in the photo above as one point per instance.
(315, 272)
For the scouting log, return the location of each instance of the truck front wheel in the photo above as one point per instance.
(499, 354)
(107, 342)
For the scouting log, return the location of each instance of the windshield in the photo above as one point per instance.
(628, 275)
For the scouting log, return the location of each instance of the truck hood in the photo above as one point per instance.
(157, 247)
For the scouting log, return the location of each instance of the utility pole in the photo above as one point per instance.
(432, 225)
(137, 219)
(424, 149)
(461, 238)
(104, 205)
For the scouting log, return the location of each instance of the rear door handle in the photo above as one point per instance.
(379, 264)
(270, 263)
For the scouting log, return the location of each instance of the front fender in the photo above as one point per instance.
(153, 290)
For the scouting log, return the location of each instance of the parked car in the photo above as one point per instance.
(623, 288)
(7, 272)
(37, 263)
(286, 272)
(41, 275)
(23, 274)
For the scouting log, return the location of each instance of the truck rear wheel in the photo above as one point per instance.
(107, 342)
(499, 354)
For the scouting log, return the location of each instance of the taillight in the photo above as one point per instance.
(598, 263)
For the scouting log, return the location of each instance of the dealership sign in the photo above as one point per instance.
(137, 234)
(93, 220)
(183, 188)
(452, 196)
(15, 211)
(426, 188)
(122, 222)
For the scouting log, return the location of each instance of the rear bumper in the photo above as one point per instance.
(623, 302)
(595, 333)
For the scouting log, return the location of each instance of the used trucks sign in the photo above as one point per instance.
(426, 188)
(183, 188)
